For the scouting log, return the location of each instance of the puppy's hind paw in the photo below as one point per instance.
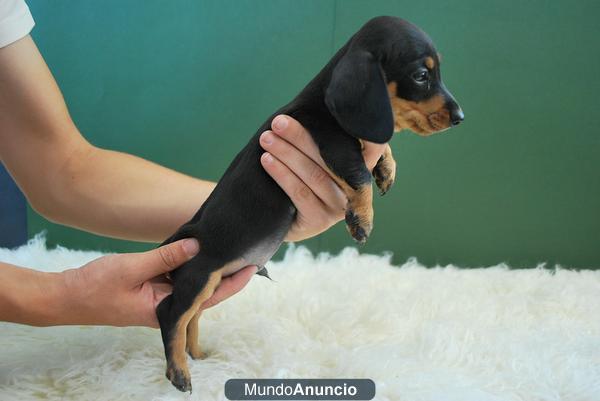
(180, 379)
(195, 353)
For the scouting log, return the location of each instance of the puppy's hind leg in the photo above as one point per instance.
(195, 282)
(192, 344)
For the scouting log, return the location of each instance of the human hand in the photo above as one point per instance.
(293, 160)
(124, 289)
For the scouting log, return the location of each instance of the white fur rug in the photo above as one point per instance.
(440, 334)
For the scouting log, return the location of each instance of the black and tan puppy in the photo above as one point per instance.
(385, 79)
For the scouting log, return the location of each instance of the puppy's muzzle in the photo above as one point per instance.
(456, 115)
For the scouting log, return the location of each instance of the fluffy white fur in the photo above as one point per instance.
(439, 334)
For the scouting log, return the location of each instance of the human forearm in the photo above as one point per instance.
(121, 195)
(106, 192)
(30, 297)
(70, 181)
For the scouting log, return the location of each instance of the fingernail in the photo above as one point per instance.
(280, 123)
(191, 246)
(267, 138)
(267, 158)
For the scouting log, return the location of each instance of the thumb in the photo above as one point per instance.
(165, 258)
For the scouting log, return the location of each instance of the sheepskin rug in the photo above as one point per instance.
(426, 334)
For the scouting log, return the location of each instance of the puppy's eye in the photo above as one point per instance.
(421, 76)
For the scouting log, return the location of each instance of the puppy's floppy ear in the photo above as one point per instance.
(357, 97)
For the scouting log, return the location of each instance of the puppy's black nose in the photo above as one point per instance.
(457, 116)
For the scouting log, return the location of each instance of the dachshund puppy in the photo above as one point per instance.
(385, 79)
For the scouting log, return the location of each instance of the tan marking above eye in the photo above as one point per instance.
(430, 62)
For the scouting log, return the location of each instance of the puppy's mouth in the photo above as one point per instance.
(438, 121)
(422, 124)
(423, 118)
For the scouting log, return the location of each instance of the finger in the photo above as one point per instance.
(302, 197)
(230, 285)
(143, 311)
(147, 265)
(306, 169)
(372, 152)
(293, 132)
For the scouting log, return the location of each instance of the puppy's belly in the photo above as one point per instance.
(257, 255)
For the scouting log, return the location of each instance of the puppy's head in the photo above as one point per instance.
(389, 79)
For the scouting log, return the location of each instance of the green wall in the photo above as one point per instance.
(186, 83)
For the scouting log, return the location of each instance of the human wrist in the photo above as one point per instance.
(50, 302)
(30, 297)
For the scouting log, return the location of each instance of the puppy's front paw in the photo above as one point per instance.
(359, 228)
(385, 173)
(180, 378)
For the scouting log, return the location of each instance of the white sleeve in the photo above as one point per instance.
(15, 21)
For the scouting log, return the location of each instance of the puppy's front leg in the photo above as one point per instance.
(359, 212)
(343, 156)
(385, 171)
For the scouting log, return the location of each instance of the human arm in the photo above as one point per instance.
(64, 177)
(116, 290)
